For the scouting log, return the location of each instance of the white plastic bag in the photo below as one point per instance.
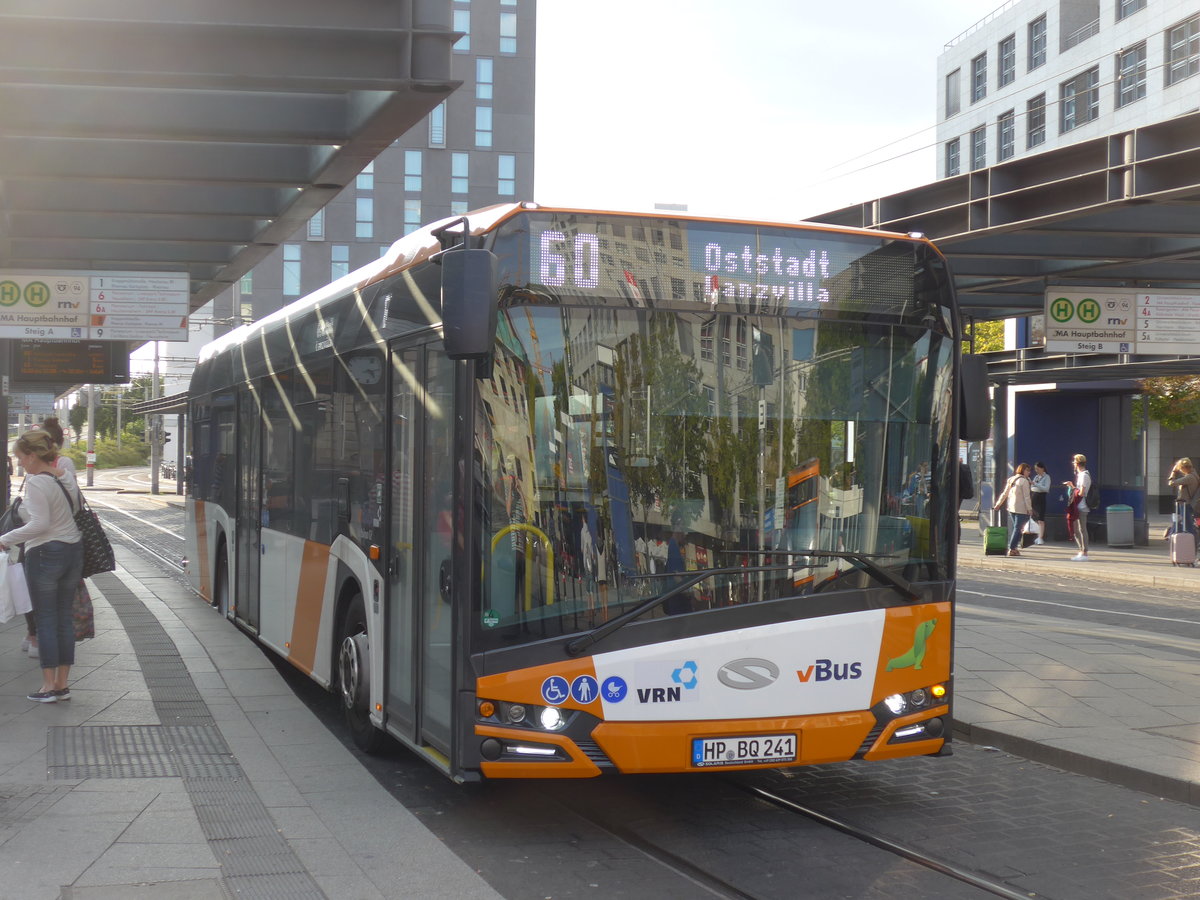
(8, 609)
(18, 589)
(1032, 527)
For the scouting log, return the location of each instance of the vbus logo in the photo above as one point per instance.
(828, 670)
(748, 674)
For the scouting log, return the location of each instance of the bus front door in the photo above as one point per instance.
(419, 624)
(249, 525)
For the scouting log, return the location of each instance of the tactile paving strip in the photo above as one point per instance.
(256, 862)
(138, 751)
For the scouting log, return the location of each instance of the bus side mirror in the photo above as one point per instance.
(468, 303)
(974, 404)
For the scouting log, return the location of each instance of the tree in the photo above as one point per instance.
(106, 410)
(988, 336)
(1174, 400)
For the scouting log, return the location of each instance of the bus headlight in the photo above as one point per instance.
(895, 704)
(539, 718)
(551, 718)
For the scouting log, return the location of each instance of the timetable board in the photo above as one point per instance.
(1093, 320)
(94, 306)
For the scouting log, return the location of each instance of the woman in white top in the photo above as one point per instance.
(1080, 487)
(53, 560)
(66, 471)
(1038, 489)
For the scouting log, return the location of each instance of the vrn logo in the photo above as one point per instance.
(1112, 320)
(683, 679)
(828, 670)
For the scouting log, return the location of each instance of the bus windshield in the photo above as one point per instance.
(623, 449)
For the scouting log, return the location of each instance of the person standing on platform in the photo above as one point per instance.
(1017, 500)
(1187, 486)
(66, 471)
(1077, 492)
(53, 561)
(1039, 488)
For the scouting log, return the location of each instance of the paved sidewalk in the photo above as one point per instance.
(200, 776)
(1083, 697)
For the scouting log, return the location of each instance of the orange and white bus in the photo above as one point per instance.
(516, 521)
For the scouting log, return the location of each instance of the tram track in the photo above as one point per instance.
(710, 874)
(883, 843)
(175, 562)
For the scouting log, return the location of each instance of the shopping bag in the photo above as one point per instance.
(97, 551)
(14, 580)
(1031, 527)
(85, 616)
(7, 608)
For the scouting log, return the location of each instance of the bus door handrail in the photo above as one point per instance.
(522, 526)
(576, 646)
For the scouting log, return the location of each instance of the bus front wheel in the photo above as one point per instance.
(354, 677)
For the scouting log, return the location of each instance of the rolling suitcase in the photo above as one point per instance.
(995, 538)
(1183, 549)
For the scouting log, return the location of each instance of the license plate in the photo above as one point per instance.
(756, 749)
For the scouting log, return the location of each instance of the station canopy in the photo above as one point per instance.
(1120, 212)
(196, 137)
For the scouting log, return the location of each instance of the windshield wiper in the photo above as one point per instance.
(577, 645)
(863, 560)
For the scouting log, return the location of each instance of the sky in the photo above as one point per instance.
(775, 109)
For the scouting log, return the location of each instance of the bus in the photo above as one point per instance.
(517, 492)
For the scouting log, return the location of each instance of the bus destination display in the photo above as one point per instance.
(759, 269)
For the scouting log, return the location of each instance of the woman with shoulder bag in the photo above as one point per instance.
(53, 561)
(66, 471)
(1016, 498)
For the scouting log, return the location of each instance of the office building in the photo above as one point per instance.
(1039, 74)
(474, 150)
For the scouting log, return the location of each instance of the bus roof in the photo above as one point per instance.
(423, 243)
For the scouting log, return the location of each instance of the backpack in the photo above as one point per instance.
(1092, 499)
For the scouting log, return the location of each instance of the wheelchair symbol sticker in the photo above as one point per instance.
(555, 690)
(615, 689)
(584, 689)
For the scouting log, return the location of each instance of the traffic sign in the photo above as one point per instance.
(1082, 320)
(107, 306)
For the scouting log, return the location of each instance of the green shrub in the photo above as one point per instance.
(108, 456)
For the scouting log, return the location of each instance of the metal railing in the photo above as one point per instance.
(989, 17)
(1091, 29)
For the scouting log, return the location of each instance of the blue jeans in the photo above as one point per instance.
(1016, 529)
(52, 571)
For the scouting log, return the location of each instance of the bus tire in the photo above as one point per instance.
(354, 677)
